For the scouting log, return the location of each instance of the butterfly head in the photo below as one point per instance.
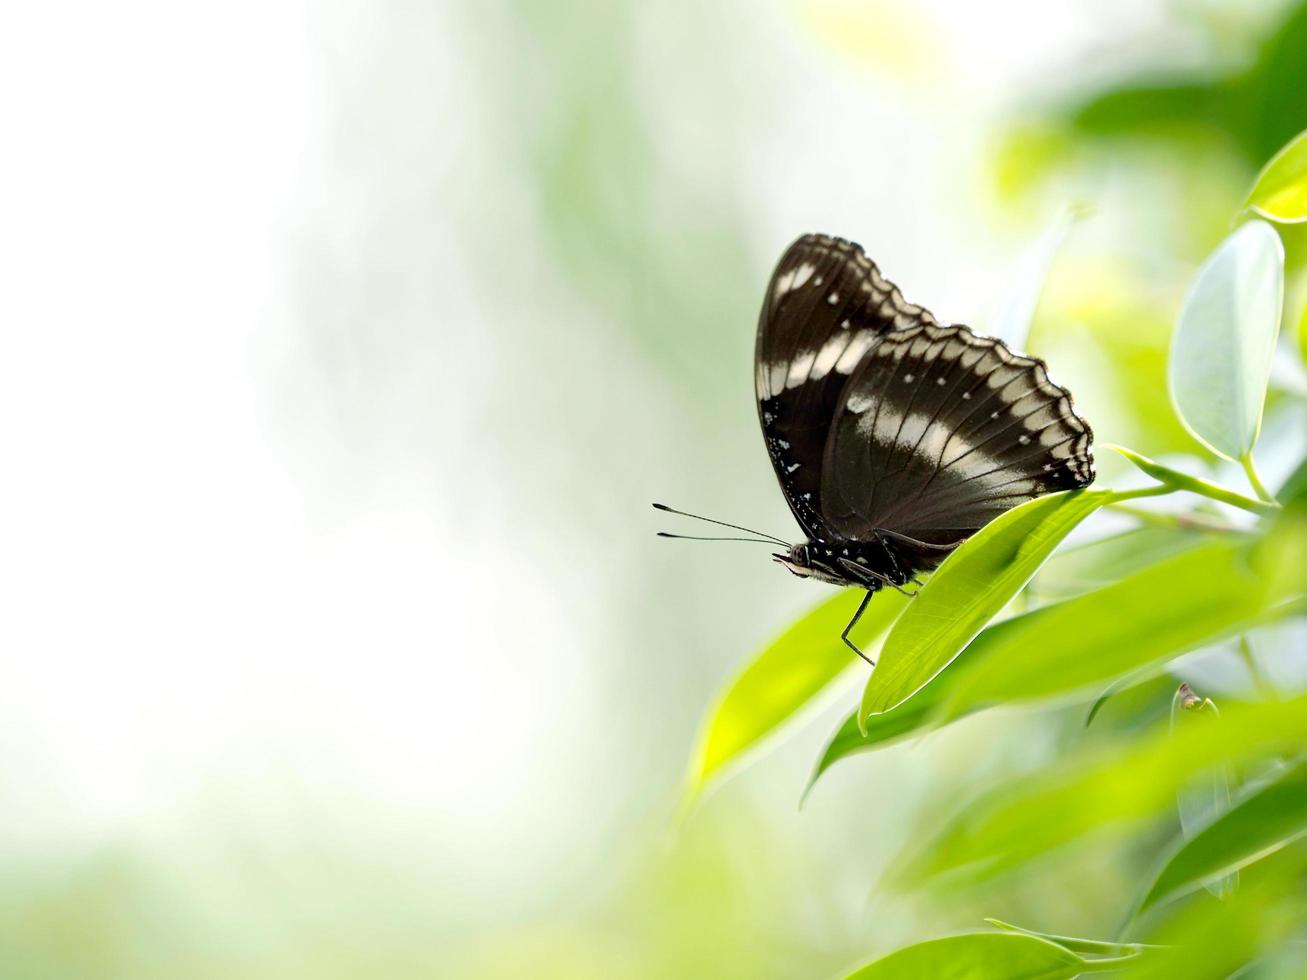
(809, 560)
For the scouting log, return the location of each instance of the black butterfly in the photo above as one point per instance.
(895, 438)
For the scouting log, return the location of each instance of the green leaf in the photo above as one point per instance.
(1091, 947)
(911, 717)
(1143, 620)
(977, 956)
(1102, 561)
(1221, 352)
(968, 590)
(1258, 825)
(1014, 318)
(786, 677)
(1280, 191)
(1206, 939)
(1076, 571)
(1207, 796)
(1109, 787)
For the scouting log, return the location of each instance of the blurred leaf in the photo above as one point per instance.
(1106, 327)
(881, 730)
(1207, 796)
(1082, 569)
(894, 40)
(1132, 701)
(1207, 940)
(915, 715)
(1027, 153)
(969, 588)
(1255, 827)
(1256, 108)
(1302, 334)
(977, 955)
(1280, 191)
(1145, 619)
(1150, 106)
(1013, 321)
(1294, 486)
(1272, 108)
(1221, 352)
(1109, 787)
(1287, 963)
(786, 677)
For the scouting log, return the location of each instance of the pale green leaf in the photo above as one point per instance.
(1258, 825)
(1280, 191)
(1221, 352)
(1207, 796)
(1108, 787)
(970, 587)
(977, 956)
(1075, 571)
(1142, 620)
(1209, 940)
(1015, 316)
(787, 676)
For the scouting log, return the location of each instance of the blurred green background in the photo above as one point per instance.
(347, 345)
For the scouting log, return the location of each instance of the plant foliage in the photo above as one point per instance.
(1014, 617)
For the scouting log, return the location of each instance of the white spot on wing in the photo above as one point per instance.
(859, 402)
(796, 277)
(800, 369)
(777, 372)
(829, 354)
(859, 345)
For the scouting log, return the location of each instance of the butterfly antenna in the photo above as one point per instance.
(770, 539)
(695, 537)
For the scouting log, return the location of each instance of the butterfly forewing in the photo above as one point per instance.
(938, 431)
(827, 306)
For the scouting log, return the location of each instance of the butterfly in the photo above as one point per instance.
(895, 437)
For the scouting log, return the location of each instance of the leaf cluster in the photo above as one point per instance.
(1015, 618)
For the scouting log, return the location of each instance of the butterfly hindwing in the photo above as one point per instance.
(826, 307)
(939, 431)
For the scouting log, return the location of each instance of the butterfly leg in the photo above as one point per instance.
(854, 622)
(895, 562)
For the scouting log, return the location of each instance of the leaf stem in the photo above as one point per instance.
(1260, 683)
(1175, 480)
(1121, 495)
(1256, 481)
(1093, 947)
